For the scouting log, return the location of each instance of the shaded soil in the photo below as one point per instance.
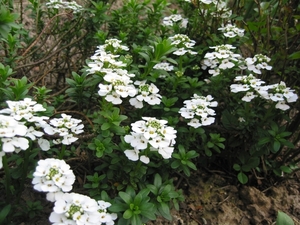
(211, 200)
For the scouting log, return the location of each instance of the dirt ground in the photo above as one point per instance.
(212, 200)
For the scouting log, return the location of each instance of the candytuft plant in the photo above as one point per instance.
(107, 109)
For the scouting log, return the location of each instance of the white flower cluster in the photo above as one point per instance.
(60, 4)
(198, 110)
(164, 66)
(66, 127)
(77, 209)
(221, 59)
(221, 10)
(175, 19)
(21, 122)
(147, 93)
(12, 134)
(253, 87)
(232, 31)
(183, 43)
(117, 83)
(154, 132)
(112, 46)
(53, 176)
(257, 63)
(105, 58)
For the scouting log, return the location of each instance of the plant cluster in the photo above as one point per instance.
(123, 101)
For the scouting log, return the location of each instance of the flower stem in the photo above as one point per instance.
(7, 178)
(24, 171)
(62, 152)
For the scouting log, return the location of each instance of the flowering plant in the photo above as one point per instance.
(161, 92)
(150, 134)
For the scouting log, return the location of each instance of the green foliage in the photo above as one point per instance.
(284, 219)
(102, 145)
(17, 90)
(182, 160)
(7, 21)
(4, 212)
(80, 90)
(137, 208)
(164, 193)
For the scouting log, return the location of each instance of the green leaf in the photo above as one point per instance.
(208, 152)
(228, 120)
(136, 220)
(220, 145)
(105, 126)
(145, 56)
(191, 165)
(186, 171)
(284, 219)
(236, 167)
(127, 214)
(264, 140)
(4, 212)
(251, 163)
(148, 210)
(242, 178)
(276, 146)
(157, 180)
(164, 210)
(126, 197)
(175, 164)
(286, 169)
(152, 188)
(210, 144)
(295, 55)
(118, 207)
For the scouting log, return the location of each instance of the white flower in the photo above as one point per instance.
(232, 31)
(144, 159)
(164, 66)
(180, 51)
(241, 119)
(14, 144)
(183, 43)
(147, 93)
(53, 175)
(1, 155)
(77, 208)
(222, 58)
(257, 63)
(9, 127)
(133, 155)
(136, 103)
(137, 140)
(198, 108)
(44, 144)
(60, 4)
(153, 133)
(249, 96)
(175, 19)
(281, 105)
(239, 88)
(66, 127)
